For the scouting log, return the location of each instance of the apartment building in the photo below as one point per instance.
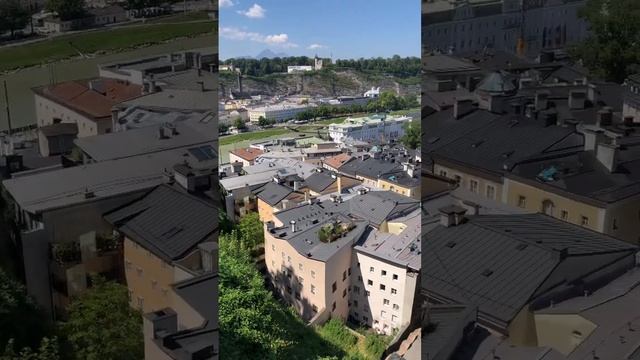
(278, 112)
(324, 182)
(375, 128)
(86, 103)
(58, 259)
(369, 169)
(276, 196)
(312, 253)
(516, 26)
(245, 156)
(161, 234)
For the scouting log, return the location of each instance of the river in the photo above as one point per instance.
(19, 84)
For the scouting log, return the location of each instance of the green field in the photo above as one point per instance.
(104, 40)
(254, 135)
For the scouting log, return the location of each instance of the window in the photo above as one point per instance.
(615, 224)
(491, 192)
(458, 178)
(584, 221)
(548, 207)
(344, 292)
(394, 291)
(289, 259)
(127, 264)
(394, 319)
(314, 308)
(382, 287)
(371, 269)
(313, 274)
(395, 276)
(140, 302)
(473, 186)
(313, 289)
(355, 303)
(368, 293)
(301, 280)
(522, 201)
(365, 319)
(297, 295)
(283, 254)
(333, 306)
(154, 284)
(383, 314)
(300, 267)
(385, 302)
(359, 278)
(349, 270)
(334, 287)
(443, 173)
(564, 215)
(396, 307)
(384, 272)
(273, 248)
(369, 282)
(344, 275)
(139, 270)
(356, 289)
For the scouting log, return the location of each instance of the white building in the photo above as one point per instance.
(373, 93)
(292, 69)
(472, 25)
(385, 275)
(279, 113)
(370, 128)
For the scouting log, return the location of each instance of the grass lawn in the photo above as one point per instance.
(338, 120)
(190, 16)
(405, 112)
(110, 39)
(254, 135)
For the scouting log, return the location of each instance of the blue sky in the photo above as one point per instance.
(344, 28)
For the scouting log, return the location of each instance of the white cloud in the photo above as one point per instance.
(279, 40)
(316, 47)
(226, 3)
(255, 12)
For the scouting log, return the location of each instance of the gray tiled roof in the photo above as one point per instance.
(501, 262)
(167, 221)
(370, 167)
(273, 193)
(319, 181)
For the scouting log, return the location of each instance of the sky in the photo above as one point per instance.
(344, 29)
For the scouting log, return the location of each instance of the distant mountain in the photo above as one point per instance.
(269, 54)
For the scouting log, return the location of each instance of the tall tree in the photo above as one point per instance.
(412, 135)
(13, 16)
(103, 326)
(612, 51)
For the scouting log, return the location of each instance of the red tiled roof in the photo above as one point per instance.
(248, 154)
(338, 160)
(95, 101)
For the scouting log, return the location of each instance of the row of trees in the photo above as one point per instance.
(386, 102)
(13, 16)
(396, 65)
(101, 325)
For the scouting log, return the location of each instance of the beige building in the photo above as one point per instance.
(316, 255)
(246, 156)
(86, 103)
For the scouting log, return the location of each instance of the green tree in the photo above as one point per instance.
(67, 9)
(13, 16)
(21, 320)
(412, 135)
(251, 230)
(103, 326)
(262, 121)
(223, 128)
(239, 123)
(612, 51)
(48, 350)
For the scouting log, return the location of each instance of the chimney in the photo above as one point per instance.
(577, 99)
(530, 111)
(114, 118)
(452, 215)
(461, 108)
(293, 226)
(541, 100)
(339, 184)
(550, 118)
(592, 138)
(608, 155)
(161, 323)
(296, 185)
(201, 83)
(605, 117)
(209, 256)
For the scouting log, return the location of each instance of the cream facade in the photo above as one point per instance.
(49, 112)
